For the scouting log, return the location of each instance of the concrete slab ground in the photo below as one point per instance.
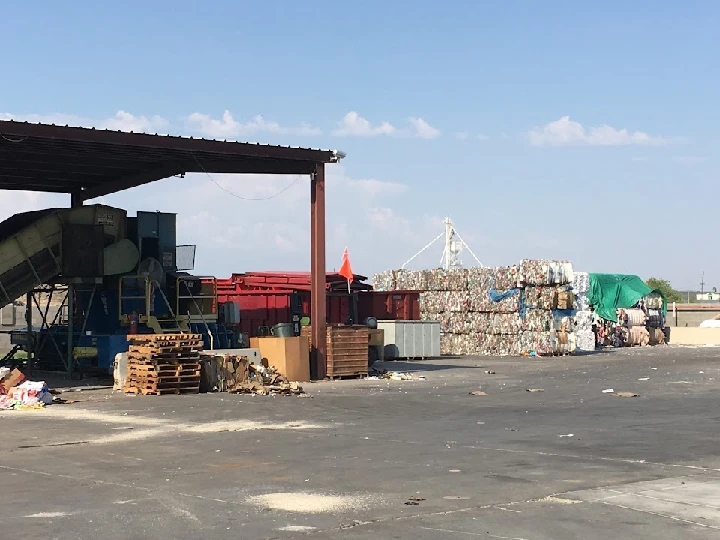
(568, 462)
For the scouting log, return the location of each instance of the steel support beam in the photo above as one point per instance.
(317, 274)
(76, 199)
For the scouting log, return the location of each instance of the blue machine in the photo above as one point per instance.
(157, 294)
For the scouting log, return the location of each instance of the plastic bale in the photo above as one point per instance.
(447, 280)
(478, 322)
(502, 345)
(563, 323)
(540, 343)
(446, 343)
(581, 302)
(506, 278)
(457, 301)
(585, 341)
(480, 300)
(541, 297)
(505, 323)
(581, 282)
(510, 304)
(433, 302)
(454, 323)
(565, 299)
(480, 278)
(476, 343)
(411, 280)
(538, 320)
(384, 281)
(545, 272)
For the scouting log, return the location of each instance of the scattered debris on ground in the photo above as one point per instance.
(377, 374)
(534, 390)
(490, 372)
(478, 393)
(18, 393)
(568, 435)
(623, 394)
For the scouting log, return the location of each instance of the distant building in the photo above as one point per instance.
(713, 296)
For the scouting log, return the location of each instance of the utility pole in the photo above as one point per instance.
(702, 283)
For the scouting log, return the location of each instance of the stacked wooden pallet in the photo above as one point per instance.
(163, 364)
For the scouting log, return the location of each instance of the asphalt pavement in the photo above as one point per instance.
(419, 459)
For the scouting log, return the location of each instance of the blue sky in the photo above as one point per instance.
(507, 116)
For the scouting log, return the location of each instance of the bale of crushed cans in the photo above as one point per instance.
(507, 310)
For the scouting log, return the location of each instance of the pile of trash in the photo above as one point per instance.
(17, 393)
(263, 381)
(237, 375)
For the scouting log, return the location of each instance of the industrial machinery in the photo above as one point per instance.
(114, 275)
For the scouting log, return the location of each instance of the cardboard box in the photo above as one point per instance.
(16, 377)
(289, 355)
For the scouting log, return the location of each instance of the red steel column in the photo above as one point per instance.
(317, 270)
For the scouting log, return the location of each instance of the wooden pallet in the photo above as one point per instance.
(170, 349)
(160, 391)
(166, 340)
(165, 382)
(160, 370)
(171, 358)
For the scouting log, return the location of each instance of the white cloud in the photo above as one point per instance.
(354, 124)
(461, 135)
(566, 132)
(422, 129)
(122, 121)
(227, 126)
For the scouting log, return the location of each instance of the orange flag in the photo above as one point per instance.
(345, 269)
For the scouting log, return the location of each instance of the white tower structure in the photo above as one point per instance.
(454, 245)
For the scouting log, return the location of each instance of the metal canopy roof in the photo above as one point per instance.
(89, 163)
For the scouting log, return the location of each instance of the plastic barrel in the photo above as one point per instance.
(283, 330)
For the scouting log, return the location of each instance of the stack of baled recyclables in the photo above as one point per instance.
(513, 310)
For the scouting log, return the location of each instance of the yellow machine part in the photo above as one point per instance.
(85, 352)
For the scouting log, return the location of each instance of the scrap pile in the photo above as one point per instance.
(235, 374)
(17, 393)
(519, 309)
(163, 364)
(627, 312)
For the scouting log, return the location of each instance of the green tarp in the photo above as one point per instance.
(610, 292)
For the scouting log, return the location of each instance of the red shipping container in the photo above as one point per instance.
(266, 308)
(389, 305)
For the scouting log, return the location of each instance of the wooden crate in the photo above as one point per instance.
(347, 350)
